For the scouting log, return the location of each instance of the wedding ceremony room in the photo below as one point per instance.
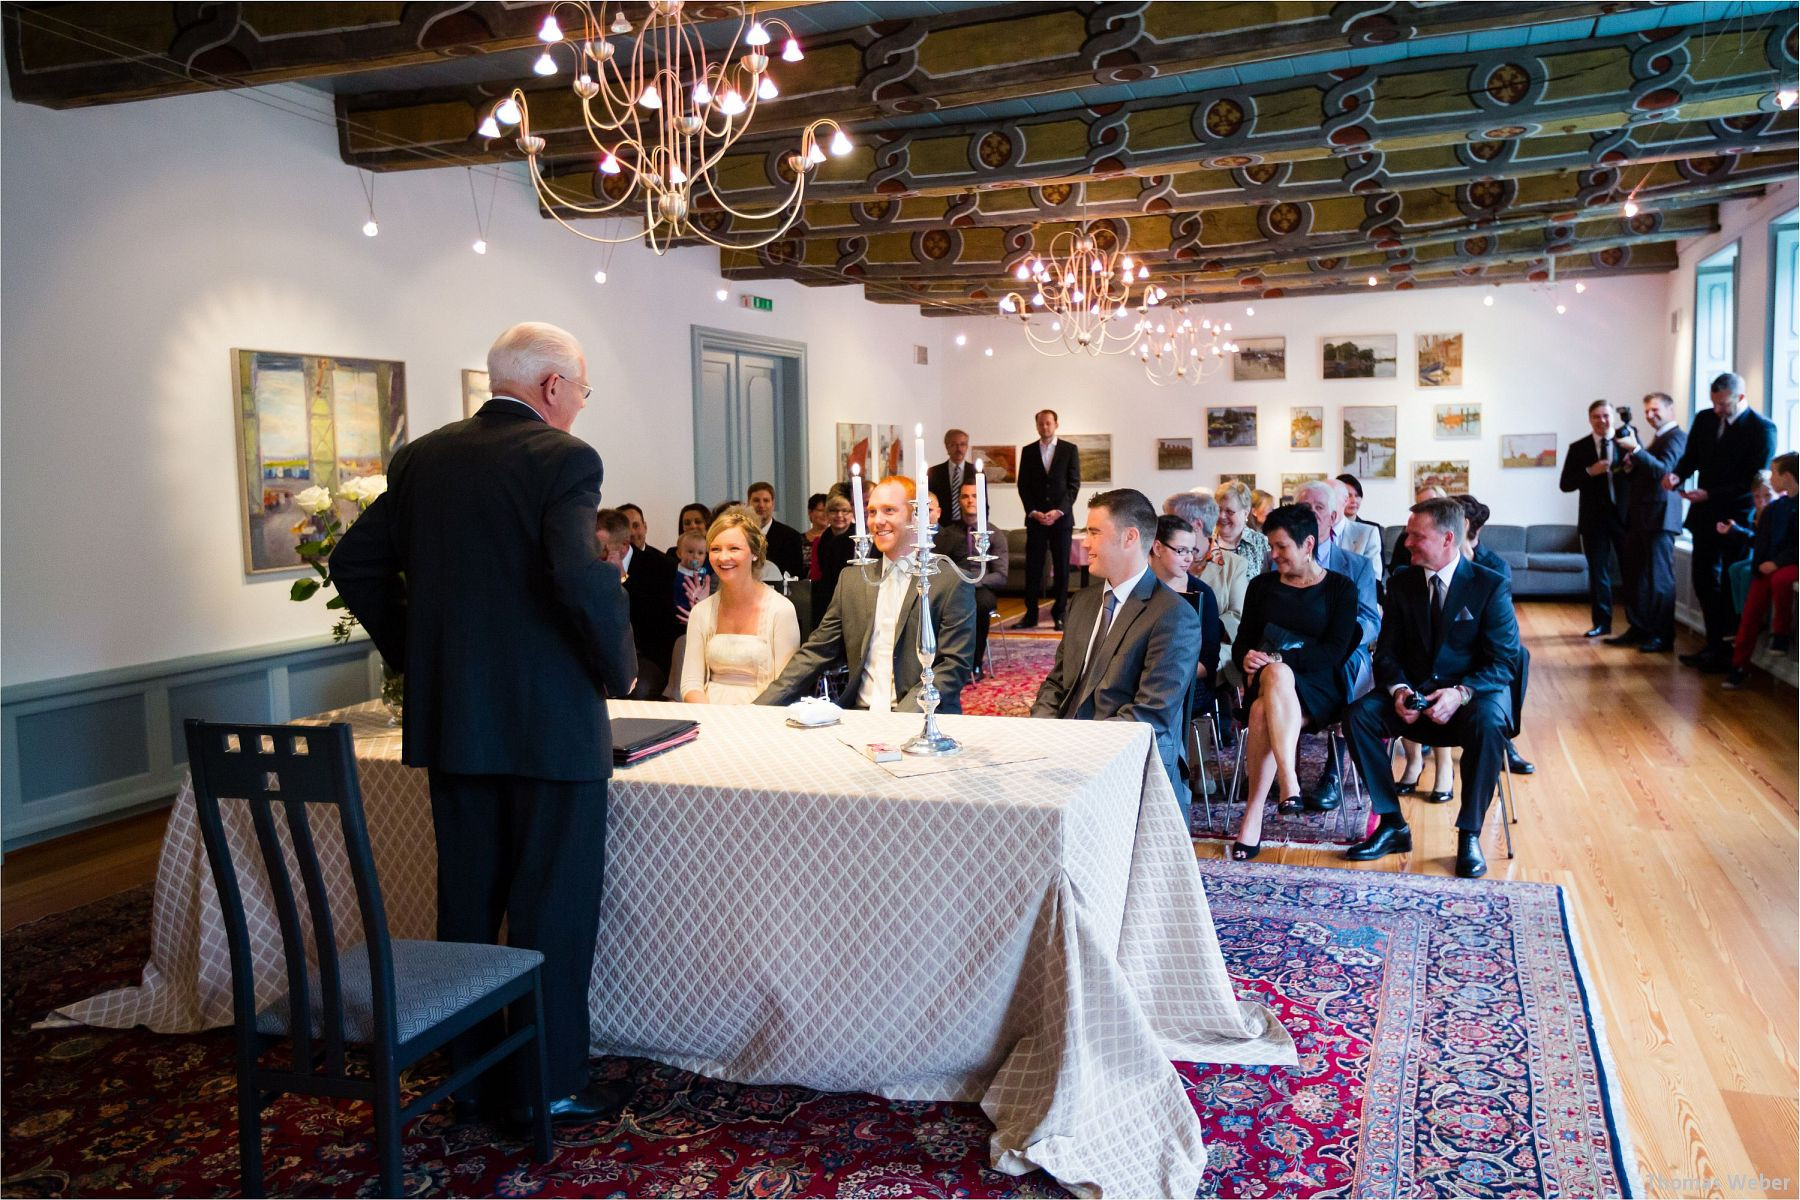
(950, 598)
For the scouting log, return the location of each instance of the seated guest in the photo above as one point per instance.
(787, 556)
(947, 540)
(835, 547)
(1357, 535)
(1449, 643)
(1326, 498)
(741, 636)
(991, 581)
(1225, 572)
(1442, 765)
(694, 519)
(1173, 550)
(1742, 537)
(1772, 573)
(1298, 631)
(650, 585)
(1131, 646)
(1260, 505)
(872, 624)
(815, 525)
(1402, 556)
(694, 580)
(1233, 533)
(1475, 515)
(640, 531)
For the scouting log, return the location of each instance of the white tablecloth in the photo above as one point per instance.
(778, 909)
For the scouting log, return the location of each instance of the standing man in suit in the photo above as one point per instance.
(1652, 521)
(946, 479)
(1593, 467)
(1049, 478)
(787, 549)
(1326, 499)
(507, 676)
(873, 624)
(1726, 447)
(650, 584)
(1132, 645)
(1448, 637)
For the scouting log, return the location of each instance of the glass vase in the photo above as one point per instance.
(393, 693)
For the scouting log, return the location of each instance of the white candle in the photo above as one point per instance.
(919, 454)
(856, 497)
(980, 496)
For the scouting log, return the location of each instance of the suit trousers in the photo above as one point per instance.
(1056, 540)
(984, 610)
(1772, 597)
(1603, 549)
(1648, 570)
(531, 852)
(1479, 728)
(1712, 556)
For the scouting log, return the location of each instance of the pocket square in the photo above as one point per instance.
(1465, 615)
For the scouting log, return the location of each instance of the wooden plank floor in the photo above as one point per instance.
(1665, 806)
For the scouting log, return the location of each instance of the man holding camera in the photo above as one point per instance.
(1653, 522)
(1593, 467)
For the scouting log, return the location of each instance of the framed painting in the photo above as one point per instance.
(1002, 462)
(1259, 359)
(1369, 440)
(1359, 356)
(1230, 428)
(1291, 481)
(1306, 427)
(307, 420)
(1247, 478)
(475, 391)
(1455, 421)
(1174, 454)
(1527, 450)
(890, 452)
(854, 441)
(1451, 474)
(1440, 359)
(1096, 456)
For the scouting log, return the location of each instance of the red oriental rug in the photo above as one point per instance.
(1447, 1047)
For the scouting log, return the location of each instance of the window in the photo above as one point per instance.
(1784, 327)
(1715, 322)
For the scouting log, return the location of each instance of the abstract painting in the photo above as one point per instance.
(1369, 441)
(1360, 356)
(475, 391)
(1096, 455)
(1456, 420)
(1002, 462)
(1174, 454)
(306, 420)
(1451, 474)
(1306, 427)
(853, 447)
(1528, 450)
(890, 452)
(1291, 481)
(1227, 428)
(1440, 359)
(1259, 359)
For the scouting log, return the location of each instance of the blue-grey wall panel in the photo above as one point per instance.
(65, 749)
(232, 698)
(319, 687)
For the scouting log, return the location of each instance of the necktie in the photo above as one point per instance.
(1437, 611)
(1090, 674)
(955, 493)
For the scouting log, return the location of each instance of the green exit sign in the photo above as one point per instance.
(759, 303)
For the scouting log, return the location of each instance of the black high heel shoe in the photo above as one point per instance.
(1406, 787)
(1242, 853)
(1443, 797)
(1291, 806)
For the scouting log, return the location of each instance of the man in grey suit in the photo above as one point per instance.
(1652, 519)
(1326, 498)
(1130, 645)
(873, 624)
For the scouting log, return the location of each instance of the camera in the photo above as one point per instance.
(1417, 702)
(1624, 429)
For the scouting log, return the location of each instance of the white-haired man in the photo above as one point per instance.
(512, 631)
(1326, 499)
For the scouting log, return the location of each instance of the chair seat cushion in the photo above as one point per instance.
(1565, 563)
(433, 981)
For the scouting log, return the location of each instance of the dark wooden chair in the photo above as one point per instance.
(402, 999)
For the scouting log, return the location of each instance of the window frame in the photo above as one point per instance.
(1787, 222)
(1724, 260)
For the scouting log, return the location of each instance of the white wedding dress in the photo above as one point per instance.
(734, 668)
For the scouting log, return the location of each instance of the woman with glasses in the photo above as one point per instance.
(831, 552)
(1233, 533)
(1170, 555)
(1298, 630)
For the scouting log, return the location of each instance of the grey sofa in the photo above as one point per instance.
(1546, 559)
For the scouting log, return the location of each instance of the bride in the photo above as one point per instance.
(739, 637)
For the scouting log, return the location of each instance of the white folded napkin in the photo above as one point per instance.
(811, 710)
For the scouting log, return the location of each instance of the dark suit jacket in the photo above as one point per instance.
(843, 637)
(1046, 491)
(477, 574)
(1727, 466)
(650, 583)
(1604, 498)
(943, 485)
(1480, 646)
(1149, 653)
(787, 549)
(1653, 510)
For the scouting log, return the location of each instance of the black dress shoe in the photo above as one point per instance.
(1598, 631)
(1517, 765)
(595, 1102)
(1386, 840)
(1654, 645)
(1470, 864)
(1443, 797)
(1027, 623)
(1630, 637)
(1698, 658)
(1058, 623)
(1327, 796)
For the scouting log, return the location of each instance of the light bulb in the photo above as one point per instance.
(1372, 281)
(550, 31)
(702, 94)
(814, 155)
(962, 339)
(1784, 99)
(1022, 272)
(507, 111)
(489, 128)
(731, 104)
(609, 164)
(1561, 309)
(1143, 272)
(1488, 301)
(722, 294)
(791, 51)
(480, 246)
(1127, 264)
(1249, 310)
(1630, 209)
(767, 89)
(1580, 288)
(1037, 299)
(677, 176)
(1056, 327)
(840, 144)
(370, 228)
(1078, 296)
(758, 36)
(651, 98)
(1007, 305)
(989, 351)
(619, 23)
(599, 276)
(545, 65)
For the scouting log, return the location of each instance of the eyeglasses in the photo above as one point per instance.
(587, 389)
(1177, 551)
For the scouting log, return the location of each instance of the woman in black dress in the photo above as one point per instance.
(1298, 630)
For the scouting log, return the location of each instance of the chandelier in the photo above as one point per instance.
(1085, 288)
(661, 113)
(1176, 350)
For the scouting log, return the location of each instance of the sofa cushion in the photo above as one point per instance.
(1518, 560)
(1504, 540)
(1561, 563)
(1552, 539)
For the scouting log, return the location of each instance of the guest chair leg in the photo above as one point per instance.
(539, 1073)
(1335, 746)
(388, 1129)
(1507, 819)
(250, 1163)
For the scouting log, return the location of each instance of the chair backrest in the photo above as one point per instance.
(292, 768)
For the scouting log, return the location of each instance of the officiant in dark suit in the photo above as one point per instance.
(945, 480)
(1049, 480)
(477, 574)
(1593, 467)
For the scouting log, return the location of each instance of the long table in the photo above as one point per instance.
(778, 909)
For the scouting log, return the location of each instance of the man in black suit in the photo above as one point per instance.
(945, 480)
(650, 584)
(1450, 640)
(477, 575)
(1049, 478)
(1653, 520)
(1726, 447)
(787, 549)
(1594, 467)
(1132, 645)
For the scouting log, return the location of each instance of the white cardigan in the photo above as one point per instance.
(777, 624)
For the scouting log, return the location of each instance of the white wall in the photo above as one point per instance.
(143, 242)
(1531, 371)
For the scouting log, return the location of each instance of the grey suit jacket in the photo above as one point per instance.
(1364, 540)
(844, 632)
(1359, 671)
(1150, 653)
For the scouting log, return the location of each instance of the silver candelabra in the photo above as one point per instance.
(922, 563)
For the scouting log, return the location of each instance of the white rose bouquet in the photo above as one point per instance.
(319, 535)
